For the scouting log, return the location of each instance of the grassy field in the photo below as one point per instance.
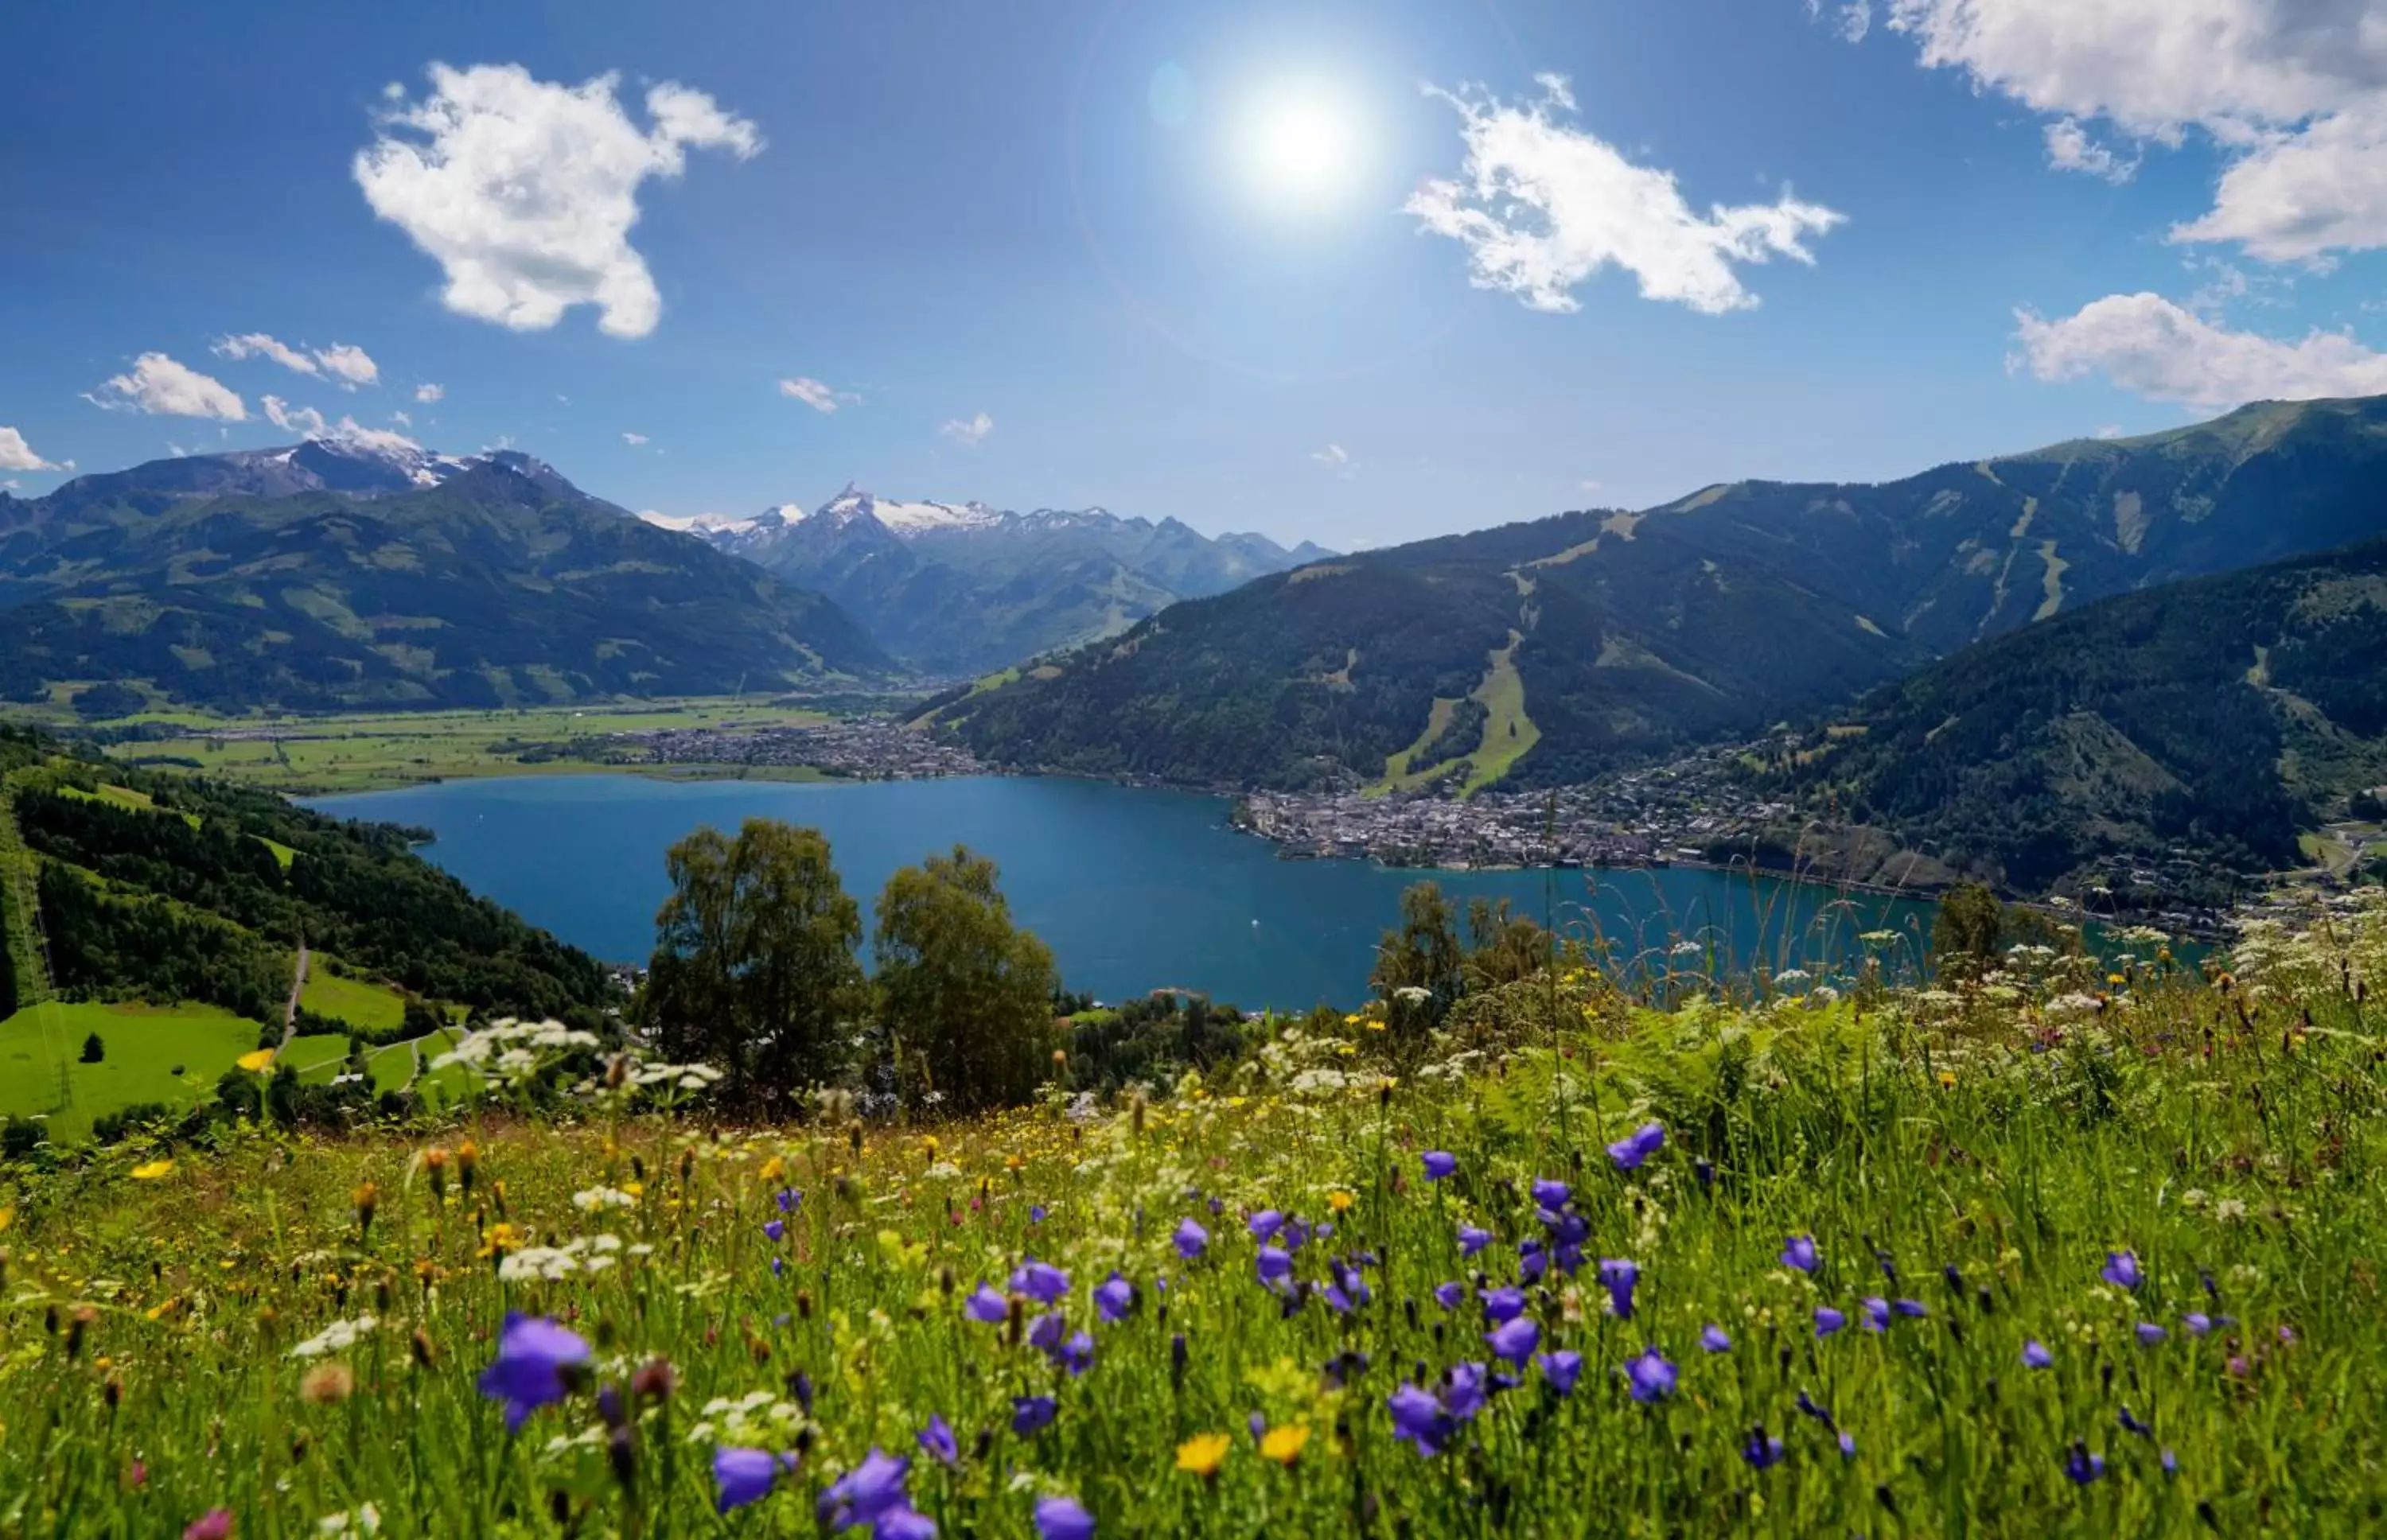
(154, 1053)
(1509, 733)
(368, 751)
(2079, 1249)
(375, 1008)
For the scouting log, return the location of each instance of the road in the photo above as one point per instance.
(290, 1012)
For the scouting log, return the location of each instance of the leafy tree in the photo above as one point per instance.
(964, 994)
(754, 968)
(1422, 955)
(1503, 946)
(92, 1049)
(1969, 929)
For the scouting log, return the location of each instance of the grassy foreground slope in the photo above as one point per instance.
(2068, 1249)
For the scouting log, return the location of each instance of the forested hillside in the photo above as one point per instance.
(1591, 638)
(2222, 716)
(160, 888)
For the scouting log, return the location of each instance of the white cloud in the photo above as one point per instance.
(258, 344)
(349, 430)
(1851, 20)
(17, 455)
(402, 420)
(429, 392)
(305, 421)
(160, 386)
(524, 190)
(350, 366)
(1545, 207)
(2071, 147)
(968, 432)
(1588, 485)
(1335, 458)
(2296, 89)
(634, 439)
(2111, 430)
(811, 392)
(2144, 343)
(353, 366)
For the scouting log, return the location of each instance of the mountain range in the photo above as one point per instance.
(2213, 720)
(365, 571)
(1544, 651)
(963, 588)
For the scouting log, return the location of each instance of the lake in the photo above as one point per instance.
(1133, 888)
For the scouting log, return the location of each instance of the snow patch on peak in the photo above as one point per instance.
(701, 523)
(906, 518)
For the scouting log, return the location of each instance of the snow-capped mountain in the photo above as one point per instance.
(961, 588)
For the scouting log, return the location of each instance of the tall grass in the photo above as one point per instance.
(1978, 1152)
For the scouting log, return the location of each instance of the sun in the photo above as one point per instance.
(1303, 144)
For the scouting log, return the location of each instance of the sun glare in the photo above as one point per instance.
(1302, 145)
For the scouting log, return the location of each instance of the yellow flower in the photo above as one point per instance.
(1284, 1445)
(1203, 1453)
(1947, 1078)
(1338, 1200)
(152, 1171)
(1375, 1026)
(774, 1168)
(6, 1217)
(256, 1061)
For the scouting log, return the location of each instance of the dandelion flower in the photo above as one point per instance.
(1284, 1445)
(152, 1170)
(1203, 1453)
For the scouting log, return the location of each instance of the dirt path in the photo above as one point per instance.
(290, 1012)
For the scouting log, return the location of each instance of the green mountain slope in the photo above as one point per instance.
(2216, 718)
(147, 886)
(500, 583)
(1720, 613)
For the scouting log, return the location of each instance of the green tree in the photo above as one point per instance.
(1421, 967)
(964, 995)
(92, 1049)
(754, 968)
(1970, 927)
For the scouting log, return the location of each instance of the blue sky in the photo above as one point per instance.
(1183, 258)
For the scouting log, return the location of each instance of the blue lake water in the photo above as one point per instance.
(1133, 888)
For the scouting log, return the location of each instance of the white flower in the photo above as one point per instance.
(338, 1337)
(365, 1518)
(590, 1199)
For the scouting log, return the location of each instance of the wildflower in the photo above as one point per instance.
(1275, 1263)
(2035, 1354)
(1562, 1368)
(1515, 1340)
(1649, 1376)
(1877, 1313)
(1619, 1277)
(1077, 1355)
(937, 1442)
(1284, 1445)
(775, 1230)
(1471, 1239)
(1761, 1451)
(255, 1062)
(1032, 1414)
(1629, 1152)
(1704, 1169)
(1191, 1240)
(2150, 1334)
(2082, 1466)
(1036, 1212)
(1203, 1453)
(742, 1476)
(2131, 1424)
(1063, 1519)
(1809, 1408)
(214, 1524)
(2121, 1269)
(1551, 1196)
(1439, 1163)
(1450, 1295)
(327, 1386)
(152, 1170)
(1264, 1224)
(1912, 1309)
(867, 1493)
(1828, 1320)
(338, 1337)
(2198, 1323)
(1504, 1304)
(1114, 1297)
(535, 1360)
(984, 1305)
(1419, 1419)
(1848, 1444)
(1041, 1282)
(1714, 1339)
(1045, 1332)
(1800, 1252)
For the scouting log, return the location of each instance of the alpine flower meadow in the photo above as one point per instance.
(1705, 1268)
